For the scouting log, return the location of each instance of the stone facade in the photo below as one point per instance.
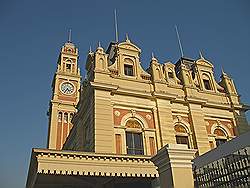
(165, 104)
(130, 127)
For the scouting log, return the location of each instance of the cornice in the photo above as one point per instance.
(67, 74)
(104, 86)
(88, 163)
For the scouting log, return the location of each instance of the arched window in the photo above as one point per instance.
(70, 117)
(60, 117)
(221, 137)
(128, 67)
(134, 138)
(68, 65)
(65, 117)
(170, 74)
(181, 135)
(206, 82)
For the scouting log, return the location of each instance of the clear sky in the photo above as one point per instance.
(32, 33)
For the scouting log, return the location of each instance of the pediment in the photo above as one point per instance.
(204, 62)
(129, 46)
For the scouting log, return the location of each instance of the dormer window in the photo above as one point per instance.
(170, 75)
(128, 70)
(206, 82)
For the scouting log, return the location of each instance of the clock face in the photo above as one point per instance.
(67, 88)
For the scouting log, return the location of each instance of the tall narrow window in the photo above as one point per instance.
(65, 117)
(60, 117)
(118, 142)
(134, 143)
(152, 145)
(207, 84)
(70, 117)
(181, 135)
(128, 70)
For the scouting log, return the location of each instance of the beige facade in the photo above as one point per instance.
(165, 104)
(133, 127)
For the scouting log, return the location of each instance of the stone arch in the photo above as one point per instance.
(185, 124)
(133, 123)
(223, 128)
(134, 115)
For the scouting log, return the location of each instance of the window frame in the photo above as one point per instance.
(135, 148)
(128, 70)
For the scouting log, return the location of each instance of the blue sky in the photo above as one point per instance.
(32, 33)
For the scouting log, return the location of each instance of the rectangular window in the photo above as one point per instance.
(152, 145)
(206, 84)
(118, 142)
(134, 143)
(182, 140)
(128, 70)
(220, 141)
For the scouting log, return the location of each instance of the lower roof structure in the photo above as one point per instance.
(53, 166)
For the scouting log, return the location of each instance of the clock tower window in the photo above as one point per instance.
(65, 117)
(68, 67)
(60, 117)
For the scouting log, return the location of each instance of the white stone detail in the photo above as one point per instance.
(148, 117)
(117, 113)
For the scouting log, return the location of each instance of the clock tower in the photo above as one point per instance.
(65, 96)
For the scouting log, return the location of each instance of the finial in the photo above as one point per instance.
(127, 39)
(152, 55)
(153, 58)
(69, 37)
(201, 56)
(116, 27)
(222, 72)
(99, 46)
(90, 49)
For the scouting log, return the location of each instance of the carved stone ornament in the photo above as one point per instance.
(133, 112)
(117, 113)
(148, 117)
(133, 124)
(179, 118)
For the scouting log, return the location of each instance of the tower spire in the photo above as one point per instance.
(179, 41)
(116, 27)
(69, 37)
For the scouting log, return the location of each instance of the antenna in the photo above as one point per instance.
(116, 28)
(179, 41)
(69, 39)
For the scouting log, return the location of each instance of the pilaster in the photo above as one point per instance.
(104, 131)
(165, 120)
(199, 128)
(175, 162)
